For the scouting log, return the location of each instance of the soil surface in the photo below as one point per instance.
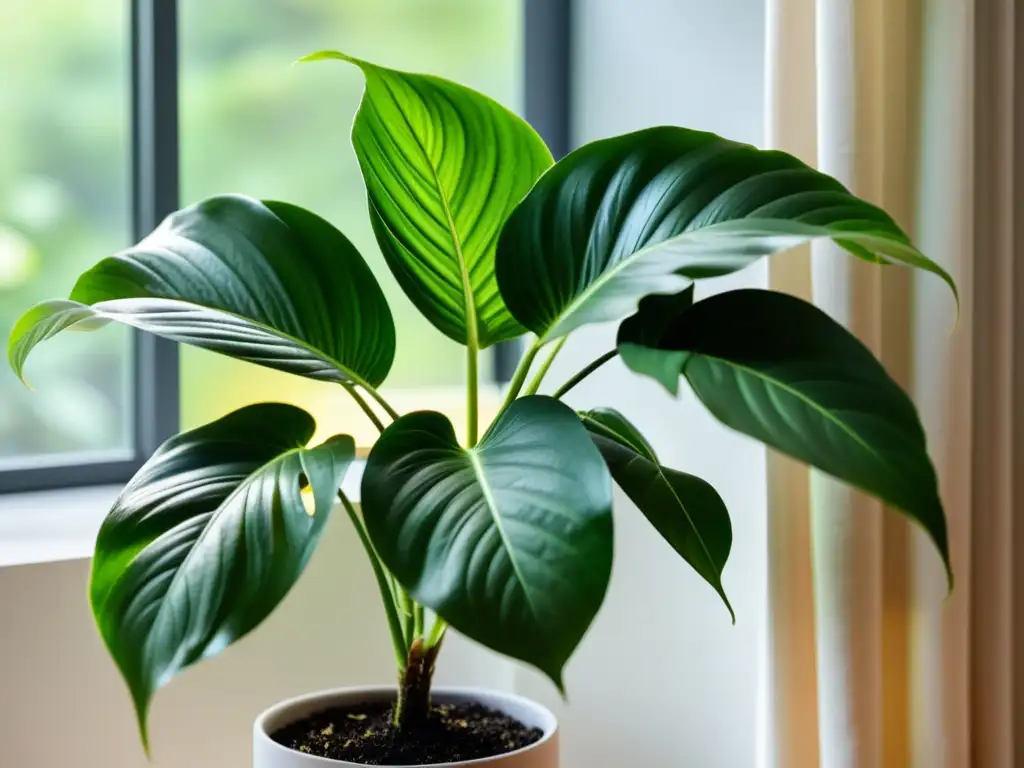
(364, 734)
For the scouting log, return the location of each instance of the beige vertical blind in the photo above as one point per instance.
(917, 105)
(792, 700)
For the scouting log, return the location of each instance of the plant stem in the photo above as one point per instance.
(593, 366)
(413, 706)
(365, 406)
(417, 620)
(380, 400)
(405, 607)
(437, 632)
(521, 371)
(394, 625)
(536, 381)
(472, 395)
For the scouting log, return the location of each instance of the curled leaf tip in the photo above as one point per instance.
(728, 605)
(141, 709)
(559, 684)
(328, 56)
(18, 367)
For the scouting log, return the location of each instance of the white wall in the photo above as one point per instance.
(663, 679)
(63, 705)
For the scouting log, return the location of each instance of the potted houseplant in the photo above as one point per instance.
(504, 533)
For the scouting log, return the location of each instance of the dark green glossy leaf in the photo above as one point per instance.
(265, 282)
(685, 510)
(609, 423)
(444, 166)
(656, 314)
(645, 331)
(510, 541)
(207, 538)
(649, 211)
(781, 370)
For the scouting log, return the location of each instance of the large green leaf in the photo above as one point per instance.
(208, 538)
(686, 510)
(649, 211)
(510, 541)
(779, 369)
(444, 166)
(266, 282)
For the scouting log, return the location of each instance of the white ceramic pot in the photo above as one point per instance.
(267, 753)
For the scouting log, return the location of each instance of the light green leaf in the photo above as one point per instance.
(782, 371)
(443, 166)
(686, 510)
(648, 212)
(265, 282)
(207, 538)
(510, 541)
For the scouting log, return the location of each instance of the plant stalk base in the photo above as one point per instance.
(413, 706)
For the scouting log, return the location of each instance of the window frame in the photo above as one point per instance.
(155, 185)
(547, 106)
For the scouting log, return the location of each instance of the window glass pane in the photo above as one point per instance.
(252, 123)
(64, 187)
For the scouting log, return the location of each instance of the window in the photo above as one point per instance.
(64, 198)
(213, 86)
(252, 123)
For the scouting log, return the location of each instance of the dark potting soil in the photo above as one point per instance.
(363, 734)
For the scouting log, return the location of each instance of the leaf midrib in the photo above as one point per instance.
(492, 507)
(469, 300)
(313, 351)
(607, 275)
(214, 517)
(908, 508)
(686, 513)
(828, 415)
(660, 470)
(638, 456)
(616, 435)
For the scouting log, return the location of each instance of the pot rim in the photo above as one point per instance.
(485, 696)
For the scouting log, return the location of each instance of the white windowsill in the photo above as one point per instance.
(48, 526)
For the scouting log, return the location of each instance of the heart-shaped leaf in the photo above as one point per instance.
(444, 166)
(509, 541)
(208, 538)
(647, 212)
(684, 509)
(779, 369)
(265, 282)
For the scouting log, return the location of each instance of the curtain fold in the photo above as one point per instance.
(868, 663)
(792, 692)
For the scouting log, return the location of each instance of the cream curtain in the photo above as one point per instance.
(869, 666)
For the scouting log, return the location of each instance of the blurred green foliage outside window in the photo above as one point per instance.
(250, 122)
